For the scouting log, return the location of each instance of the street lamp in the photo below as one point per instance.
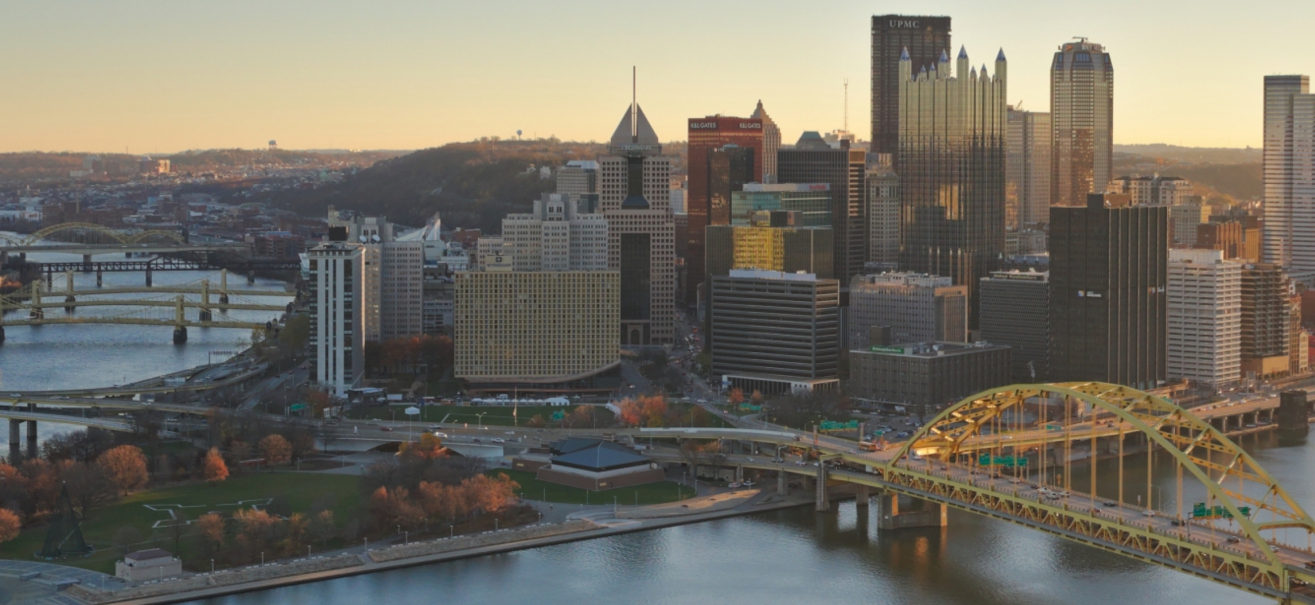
(481, 420)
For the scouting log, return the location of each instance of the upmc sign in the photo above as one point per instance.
(903, 24)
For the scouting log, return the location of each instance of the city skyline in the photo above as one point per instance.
(150, 77)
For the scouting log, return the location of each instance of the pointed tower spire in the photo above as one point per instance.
(945, 56)
(904, 54)
(963, 52)
(1001, 55)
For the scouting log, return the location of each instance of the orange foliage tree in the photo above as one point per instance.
(214, 469)
(126, 466)
(275, 449)
(9, 525)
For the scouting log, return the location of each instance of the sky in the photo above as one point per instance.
(152, 76)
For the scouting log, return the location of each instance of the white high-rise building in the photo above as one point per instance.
(1289, 173)
(392, 280)
(555, 237)
(336, 336)
(1204, 317)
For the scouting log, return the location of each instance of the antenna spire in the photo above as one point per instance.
(846, 104)
(634, 105)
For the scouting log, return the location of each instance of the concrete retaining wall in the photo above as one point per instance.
(227, 578)
(419, 549)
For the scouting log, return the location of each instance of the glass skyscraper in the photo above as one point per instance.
(952, 170)
(1082, 122)
(924, 39)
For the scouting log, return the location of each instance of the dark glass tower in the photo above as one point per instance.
(844, 169)
(952, 170)
(925, 38)
(1108, 272)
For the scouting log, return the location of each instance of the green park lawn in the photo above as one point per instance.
(100, 526)
(652, 493)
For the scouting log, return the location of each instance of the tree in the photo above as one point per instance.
(321, 527)
(736, 396)
(215, 470)
(211, 527)
(757, 397)
(89, 487)
(126, 466)
(392, 507)
(275, 449)
(257, 530)
(9, 525)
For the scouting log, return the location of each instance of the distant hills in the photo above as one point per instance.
(37, 165)
(1217, 172)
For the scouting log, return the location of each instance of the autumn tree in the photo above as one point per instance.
(392, 507)
(429, 447)
(736, 396)
(89, 487)
(257, 530)
(9, 525)
(321, 527)
(211, 527)
(126, 466)
(215, 470)
(275, 449)
(757, 397)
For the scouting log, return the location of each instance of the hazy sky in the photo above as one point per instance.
(155, 76)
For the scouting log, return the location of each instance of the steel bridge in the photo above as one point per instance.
(1250, 533)
(31, 300)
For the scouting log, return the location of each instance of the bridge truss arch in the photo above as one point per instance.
(102, 230)
(155, 234)
(1230, 475)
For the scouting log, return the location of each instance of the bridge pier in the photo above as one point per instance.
(148, 277)
(862, 496)
(780, 482)
(931, 515)
(823, 500)
(2, 334)
(70, 309)
(251, 277)
(100, 277)
(86, 263)
(180, 335)
(1293, 412)
(32, 437)
(15, 442)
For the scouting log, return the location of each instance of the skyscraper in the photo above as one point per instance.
(337, 334)
(1082, 114)
(716, 170)
(1013, 313)
(1107, 292)
(843, 169)
(883, 210)
(771, 143)
(952, 170)
(555, 236)
(1204, 317)
(925, 38)
(1027, 187)
(641, 234)
(1289, 172)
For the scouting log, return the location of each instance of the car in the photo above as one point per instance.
(733, 485)
(440, 434)
(1110, 503)
(1310, 564)
(499, 440)
(1148, 513)
(1234, 539)
(747, 483)
(477, 440)
(1177, 522)
(386, 429)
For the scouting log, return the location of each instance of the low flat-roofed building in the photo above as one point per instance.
(927, 375)
(596, 465)
(149, 564)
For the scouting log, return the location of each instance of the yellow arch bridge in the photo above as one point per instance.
(1011, 452)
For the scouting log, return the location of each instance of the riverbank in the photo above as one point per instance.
(587, 525)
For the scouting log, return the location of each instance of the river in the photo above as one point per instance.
(100, 355)
(798, 557)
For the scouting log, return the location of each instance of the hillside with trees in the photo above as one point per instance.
(1231, 173)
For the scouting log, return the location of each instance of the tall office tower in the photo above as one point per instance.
(1014, 307)
(724, 154)
(924, 39)
(679, 189)
(1266, 326)
(952, 170)
(1298, 339)
(789, 249)
(1027, 180)
(577, 178)
(1289, 172)
(634, 153)
(883, 202)
(537, 332)
(1082, 122)
(634, 193)
(392, 279)
(771, 143)
(1153, 190)
(1204, 316)
(843, 169)
(1107, 292)
(775, 332)
(1184, 221)
(555, 237)
(1225, 237)
(336, 334)
(915, 307)
(486, 249)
